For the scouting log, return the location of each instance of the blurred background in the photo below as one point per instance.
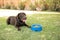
(35, 5)
(44, 12)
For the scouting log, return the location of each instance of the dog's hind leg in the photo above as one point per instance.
(8, 21)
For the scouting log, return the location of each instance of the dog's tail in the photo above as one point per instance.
(8, 21)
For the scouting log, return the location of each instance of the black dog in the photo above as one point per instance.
(18, 21)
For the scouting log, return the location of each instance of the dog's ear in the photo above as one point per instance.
(18, 15)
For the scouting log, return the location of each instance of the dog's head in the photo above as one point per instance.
(22, 16)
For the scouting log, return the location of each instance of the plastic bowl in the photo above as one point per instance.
(36, 27)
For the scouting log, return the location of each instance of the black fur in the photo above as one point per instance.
(17, 21)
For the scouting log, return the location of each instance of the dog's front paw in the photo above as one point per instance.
(19, 29)
(29, 26)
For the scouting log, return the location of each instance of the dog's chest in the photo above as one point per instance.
(21, 23)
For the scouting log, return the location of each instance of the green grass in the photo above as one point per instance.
(50, 23)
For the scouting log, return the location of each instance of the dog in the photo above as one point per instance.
(18, 20)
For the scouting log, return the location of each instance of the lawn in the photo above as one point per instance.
(50, 23)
